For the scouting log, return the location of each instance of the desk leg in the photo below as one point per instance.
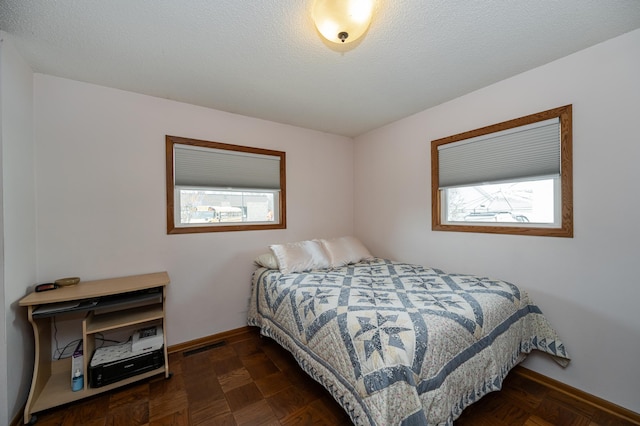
(42, 362)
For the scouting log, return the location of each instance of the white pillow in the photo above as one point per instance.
(267, 260)
(300, 256)
(345, 250)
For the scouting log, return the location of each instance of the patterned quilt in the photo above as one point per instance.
(396, 343)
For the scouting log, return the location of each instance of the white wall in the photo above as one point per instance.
(588, 285)
(18, 265)
(100, 178)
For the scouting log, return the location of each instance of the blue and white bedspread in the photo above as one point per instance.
(396, 343)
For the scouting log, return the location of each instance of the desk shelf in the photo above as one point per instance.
(113, 320)
(51, 383)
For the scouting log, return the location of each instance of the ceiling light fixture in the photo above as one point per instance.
(342, 21)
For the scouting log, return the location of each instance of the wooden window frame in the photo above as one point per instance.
(170, 188)
(566, 177)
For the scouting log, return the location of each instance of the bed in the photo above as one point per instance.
(396, 343)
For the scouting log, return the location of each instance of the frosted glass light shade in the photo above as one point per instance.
(342, 21)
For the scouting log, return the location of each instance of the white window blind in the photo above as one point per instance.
(217, 168)
(522, 152)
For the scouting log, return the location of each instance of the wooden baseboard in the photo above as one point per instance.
(235, 334)
(592, 400)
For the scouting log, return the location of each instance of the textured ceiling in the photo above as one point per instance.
(265, 59)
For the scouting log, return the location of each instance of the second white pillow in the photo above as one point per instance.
(300, 256)
(345, 250)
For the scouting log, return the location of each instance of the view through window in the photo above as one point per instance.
(507, 203)
(198, 206)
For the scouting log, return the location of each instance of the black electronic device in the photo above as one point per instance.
(114, 363)
(46, 286)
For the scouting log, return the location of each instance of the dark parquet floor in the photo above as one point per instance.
(250, 380)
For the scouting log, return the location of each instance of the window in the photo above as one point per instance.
(509, 178)
(214, 187)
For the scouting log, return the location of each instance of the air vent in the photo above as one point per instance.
(204, 348)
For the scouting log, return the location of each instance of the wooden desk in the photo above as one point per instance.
(51, 383)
